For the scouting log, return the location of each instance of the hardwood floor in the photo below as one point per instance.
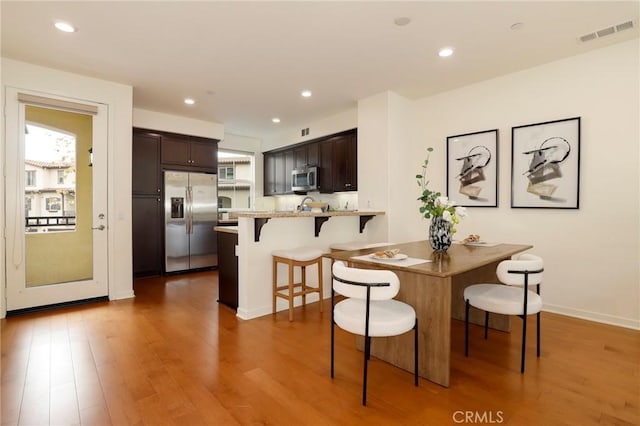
(173, 356)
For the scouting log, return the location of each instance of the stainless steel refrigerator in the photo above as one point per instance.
(191, 212)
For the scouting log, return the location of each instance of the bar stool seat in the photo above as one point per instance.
(298, 257)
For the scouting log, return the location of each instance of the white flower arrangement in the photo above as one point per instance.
(435, 204)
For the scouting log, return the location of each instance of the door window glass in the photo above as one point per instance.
(50, 170)
(59, 236)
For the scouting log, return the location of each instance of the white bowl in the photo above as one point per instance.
(317, 206)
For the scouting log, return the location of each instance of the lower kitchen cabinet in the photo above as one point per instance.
(227, 269)
(147, 238)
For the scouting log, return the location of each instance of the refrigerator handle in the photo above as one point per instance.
(189, 210)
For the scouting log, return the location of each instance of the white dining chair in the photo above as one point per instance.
(369, 310)
(519, 274)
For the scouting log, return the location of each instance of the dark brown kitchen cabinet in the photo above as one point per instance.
(147, 235)
(274, 173)
(269, 180)
(189, 152)
(145, 172)
(335, 155)
(325, 178)
(227, 269)
(289, 165)
(152, 152)
(300, 157)
(313, 156)
(345, 163)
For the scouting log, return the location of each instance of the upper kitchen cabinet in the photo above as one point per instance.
(325, 163)
(146, 163)
(300, 156)
(345, 163)
(313, 154)
(339, 162)
(274, 173)
(289, 165)
(189, 152)
(335, 155)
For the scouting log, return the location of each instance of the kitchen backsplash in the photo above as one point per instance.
(337, 201)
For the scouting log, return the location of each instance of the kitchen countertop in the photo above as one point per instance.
(267, 214)
(227, 229)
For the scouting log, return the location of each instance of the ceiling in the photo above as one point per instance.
(247, 62)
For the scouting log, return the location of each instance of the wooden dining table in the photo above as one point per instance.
(435, 289)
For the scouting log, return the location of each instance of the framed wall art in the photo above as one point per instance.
(545, 165)
(472, 169)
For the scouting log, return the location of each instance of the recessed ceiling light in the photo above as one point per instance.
(189, 101)
(401, 21)
(64, 27)
(306, 93)
(445, 51)
(275, 119)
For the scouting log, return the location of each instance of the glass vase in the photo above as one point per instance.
(439, 234)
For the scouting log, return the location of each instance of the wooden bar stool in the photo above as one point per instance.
(298, 257)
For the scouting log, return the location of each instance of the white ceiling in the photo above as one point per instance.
(246, 62)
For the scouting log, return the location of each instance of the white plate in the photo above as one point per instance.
(399, 256)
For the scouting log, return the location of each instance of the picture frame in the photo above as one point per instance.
(545, 165)
(472, 169)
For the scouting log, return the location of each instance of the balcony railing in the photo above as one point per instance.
(36, 221)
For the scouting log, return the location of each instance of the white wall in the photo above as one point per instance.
(592, 255)
(386, 123)
(327, 126)
(171, 123)
(119, 99)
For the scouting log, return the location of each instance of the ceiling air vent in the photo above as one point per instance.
(607, 31)
(624, 26)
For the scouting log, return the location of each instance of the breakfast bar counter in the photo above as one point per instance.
(319, 217)
(262, 232)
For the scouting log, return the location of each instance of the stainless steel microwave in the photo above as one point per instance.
(304, 179)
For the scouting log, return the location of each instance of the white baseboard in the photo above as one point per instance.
(594, 316)
(123, 295)
(246, 314)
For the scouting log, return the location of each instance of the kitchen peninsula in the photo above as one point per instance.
(261, 232)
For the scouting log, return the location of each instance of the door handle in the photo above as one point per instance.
(99, 228)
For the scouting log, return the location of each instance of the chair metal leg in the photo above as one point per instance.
(538, 331)
(367, 349)
(524, 342)
(332, 345)
(416, 351)
(466, 328)
(486, 325)
(333, 332)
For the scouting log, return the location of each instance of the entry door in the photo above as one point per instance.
(56, 200)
